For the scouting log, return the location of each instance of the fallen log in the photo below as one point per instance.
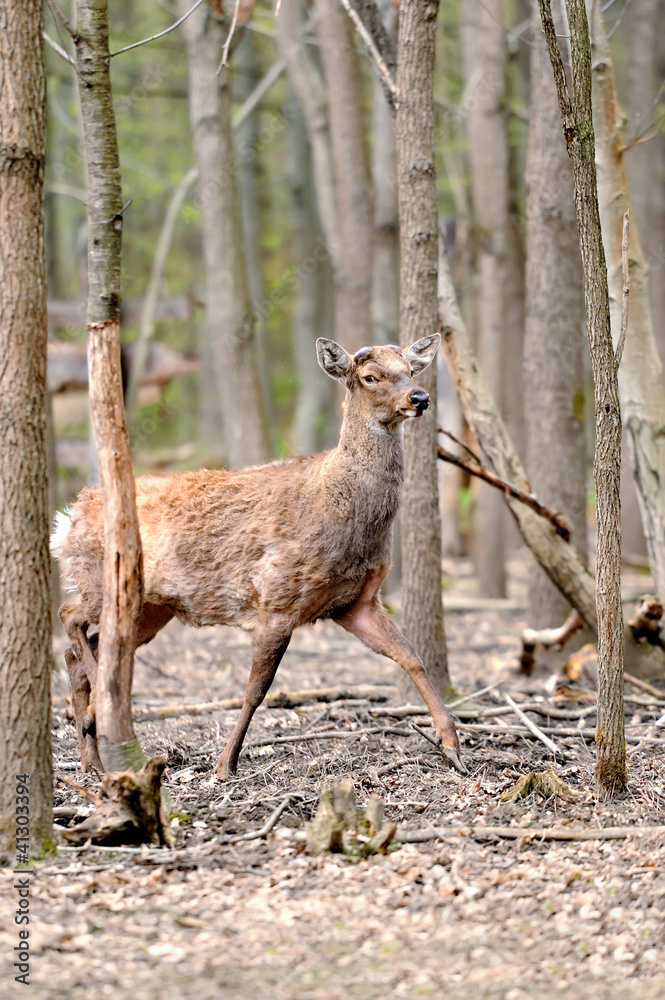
(405, 836)
(280, 699)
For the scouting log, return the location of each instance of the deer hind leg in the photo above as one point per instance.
(369, 620)
(80, 685)
(82, 666)
(268, 648)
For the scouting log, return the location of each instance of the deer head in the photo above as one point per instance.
(379, 380)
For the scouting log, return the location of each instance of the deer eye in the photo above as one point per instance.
(369, 378)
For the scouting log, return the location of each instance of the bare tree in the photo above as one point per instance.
(229, 313)
(576, 118)
(484, 55)
(385, 276)
(25, 623)
(123, 573)
(553, 358)
(350, 156)
(640, 377)
(416, 187)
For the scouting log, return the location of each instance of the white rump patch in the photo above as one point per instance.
(62, 522)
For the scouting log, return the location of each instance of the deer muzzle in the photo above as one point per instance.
(419, 400)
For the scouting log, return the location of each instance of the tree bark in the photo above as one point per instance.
(308, 86)
(416, 187)
(640, 375)
(483, 57)
(576, 118)
(229, 313)
(353, 260)
(308, 304)
(25, 623)
(123, 570)
(385, 277)
(553, 359)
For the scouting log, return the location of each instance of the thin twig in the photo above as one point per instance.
(373, 50)
(474, 694)
(625, 270)
(59, 49)
(56, 11)
(265, 829)
(462, 444)
(538, 733)
(558, 520)
(229, 37)
(435, 741)
(160, 34)
(526, 832)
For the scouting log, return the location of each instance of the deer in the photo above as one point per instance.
(269, 548)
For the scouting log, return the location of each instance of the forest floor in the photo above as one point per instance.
(461, 916)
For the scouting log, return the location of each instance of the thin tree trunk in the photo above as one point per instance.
(308, 86)
(385, 276)
(246, 64)
(123, 572)
(553, 359)
(645, 162)
(229, 312)
(307, 307)
(484, 56)
(647, 198)
(353, 260)
(640, 376)
(576, 118)
(416, 187)
(25, 623)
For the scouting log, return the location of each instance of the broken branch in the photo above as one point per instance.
(555, 518)
(538, 733)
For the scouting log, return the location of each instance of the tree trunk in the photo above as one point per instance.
(353, 260)
(308, 87)
(247, 64)
(640, 375)
(576, 118)
(25, 623)
(308, 305)
(385, 276)
(648, 198)
(484, 55)
(553, 360)
(416, 190)
(123, 571)
(229, 313)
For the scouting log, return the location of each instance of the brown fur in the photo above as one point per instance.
(272, 547)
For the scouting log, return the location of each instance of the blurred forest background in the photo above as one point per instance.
(261, 213)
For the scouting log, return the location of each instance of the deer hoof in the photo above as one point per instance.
(453, 758)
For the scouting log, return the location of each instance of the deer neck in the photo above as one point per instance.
(374, 450)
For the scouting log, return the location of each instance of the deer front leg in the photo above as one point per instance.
(268, 649)
(369, 620)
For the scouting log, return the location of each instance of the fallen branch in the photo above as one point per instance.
(330, 734)
(647, 619)
(643, 686)
(528, 833)
(587, 734)
(280, 699)
(269, 824)
(558, 520)
(538, 733)
(547, 637)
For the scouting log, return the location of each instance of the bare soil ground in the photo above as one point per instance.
(457, 917)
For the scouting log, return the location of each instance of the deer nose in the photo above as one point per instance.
(419, 399)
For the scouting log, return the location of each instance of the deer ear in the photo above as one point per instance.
(333, 359)
(421, 354)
